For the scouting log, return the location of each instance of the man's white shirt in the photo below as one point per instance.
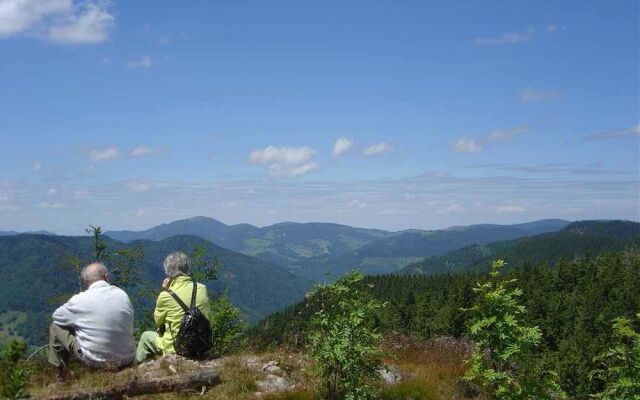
(102, 318)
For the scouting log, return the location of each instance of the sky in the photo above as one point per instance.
(381, 114)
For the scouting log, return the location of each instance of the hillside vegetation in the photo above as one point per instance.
(576, 240)
(573, 303)
(36, 276)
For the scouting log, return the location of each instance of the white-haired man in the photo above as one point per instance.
(95, 326)
(168, 313)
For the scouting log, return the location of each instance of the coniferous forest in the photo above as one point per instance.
(573, 303)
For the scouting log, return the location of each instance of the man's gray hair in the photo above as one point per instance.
(176, 263)
(94, 272)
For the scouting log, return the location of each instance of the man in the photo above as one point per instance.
(168, 313)
(94, 326)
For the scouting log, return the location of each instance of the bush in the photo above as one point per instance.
(227, 325)
(620, 365)
(14, 372)
(342, 340)
(502, 361)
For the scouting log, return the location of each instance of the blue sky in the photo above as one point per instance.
(384, 114)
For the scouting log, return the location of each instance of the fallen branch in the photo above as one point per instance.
(138, 386)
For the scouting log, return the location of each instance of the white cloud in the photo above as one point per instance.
(142, 151)
(89, 23)
(377, 148)
(475, 145)
(109, 153)
(357, 203)
(139, 186)
(341, 146)
(286, 162)
(52, 206)
(140, 213)
(37, 166)
(62, 21)
(614, 134)
(141, 62)
(453, 208)
(466, 145)
(506, 133)
(539, 95)
(510, 209)
(506, 38)
(18, 16)
(52, 191)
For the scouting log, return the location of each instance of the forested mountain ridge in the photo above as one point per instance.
(285, 243)
(315, 250)
(390, 254)
(35, 270)
(577, 239)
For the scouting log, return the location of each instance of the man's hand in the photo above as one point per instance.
(166, 283)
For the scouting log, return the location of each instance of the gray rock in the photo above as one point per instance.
(273, 384)
(390, 374)
(272, 368)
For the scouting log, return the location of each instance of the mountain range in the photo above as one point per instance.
(318, 250)
(578, 239)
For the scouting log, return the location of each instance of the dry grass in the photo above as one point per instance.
(431, 370)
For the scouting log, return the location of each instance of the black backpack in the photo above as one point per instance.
(194, 336)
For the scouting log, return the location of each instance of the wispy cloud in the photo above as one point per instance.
(142, 151)
(140, 62)
(508, 209)
(553, 168)
(539, 95)
(433, 201)
(614, 134)
(468, 144)
(61, 21)
(36, 166)
(341, 147)
(378, 148)
(509, 38)
(109, 153)
(139, 185)
(285, 162)
(514, 38)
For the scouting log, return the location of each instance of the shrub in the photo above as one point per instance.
(502, 359)
(342, 340)
(620, 365)
(14, 370)
(227, 325)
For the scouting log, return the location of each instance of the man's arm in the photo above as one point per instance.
(65, 315)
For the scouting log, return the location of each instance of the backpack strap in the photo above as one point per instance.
(177, 299)
(193, 294)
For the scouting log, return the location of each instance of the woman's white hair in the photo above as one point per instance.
(176, 263)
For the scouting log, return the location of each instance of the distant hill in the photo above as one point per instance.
(286, 243)
(392, 253)
(12, 233)
(313, 250)
(32, 272)
(576, 240)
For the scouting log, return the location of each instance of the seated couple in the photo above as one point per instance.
(96, 326)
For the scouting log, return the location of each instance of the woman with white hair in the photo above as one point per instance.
(169, 313)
